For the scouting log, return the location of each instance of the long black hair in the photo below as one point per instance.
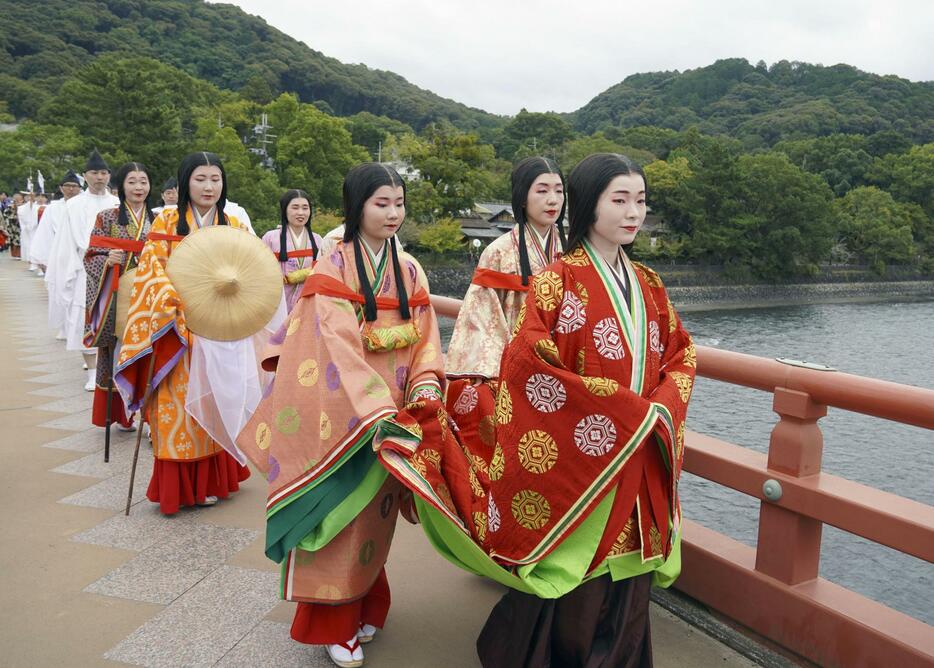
(585, 185)
(284, 202)
(189, 164)
(359, 185)
(523, 176)
(119, 178)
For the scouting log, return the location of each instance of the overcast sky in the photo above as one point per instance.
(546, 55)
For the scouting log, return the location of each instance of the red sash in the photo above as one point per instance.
(331, 287)
(489, 278)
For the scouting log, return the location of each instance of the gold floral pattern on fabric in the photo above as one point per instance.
(308, 373)
(548, 351)
(548, 290)
(519, 319)
(538, 451)
(479, 523)
(288, 420)
(599, 386)
(427, 355)
(477, 463)
(487, 430)
(419, 465)
(576, 258)
(530, 509)
(263, 436)
(503, 405)
(433, 457)
(475, 485)
(581, 362)
(626, 542)
(383, 339)
(324, 426)
(497, 463)
(651, 278)
(329, 592)
(679, 441)
(690, 356)
(655, 541)
(294, 324)
(684, 383)
(582, 292)
(672, 318)
(445, 495)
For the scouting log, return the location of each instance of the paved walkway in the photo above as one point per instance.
(83, 585)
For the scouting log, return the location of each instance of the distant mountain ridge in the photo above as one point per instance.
(44, 43)
(785, 100)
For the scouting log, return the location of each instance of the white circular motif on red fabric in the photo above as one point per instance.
(493, 520)
(607, 339)
(467, 400)
(595, 435)
(545, 393)
(654, 342)
(571, 315)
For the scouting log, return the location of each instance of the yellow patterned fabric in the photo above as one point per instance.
(156, 326)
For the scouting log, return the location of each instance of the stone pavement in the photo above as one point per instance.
(83, 585)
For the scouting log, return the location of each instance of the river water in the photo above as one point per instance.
(891, 341)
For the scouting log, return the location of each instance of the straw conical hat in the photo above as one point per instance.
(229, 282)
(123, 302)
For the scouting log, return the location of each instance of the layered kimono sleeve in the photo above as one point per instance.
(101, 288)
(481, 330)
(156, 333)
(311, 433)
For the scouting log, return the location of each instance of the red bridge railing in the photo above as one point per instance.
(774, 589)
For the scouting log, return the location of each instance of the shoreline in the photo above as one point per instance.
(715, 298)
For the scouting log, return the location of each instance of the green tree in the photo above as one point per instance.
(248, 184)
(314, 152)
(51, 149)
(534, 133)
(131, 109)
(443, 236)
(909, 176)
(575, 150)
(369, 131)
(876, 228)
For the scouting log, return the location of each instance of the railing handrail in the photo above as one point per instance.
(859, 394)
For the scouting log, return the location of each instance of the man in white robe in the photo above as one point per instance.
(169, 196)
(70, 282)
(53, 222)
(44, 238)
(28, 221)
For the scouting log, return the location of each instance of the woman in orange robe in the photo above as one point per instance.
(190, 467)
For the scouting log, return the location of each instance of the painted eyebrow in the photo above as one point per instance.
(627, 192)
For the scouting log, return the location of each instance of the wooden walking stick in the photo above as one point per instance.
(139, 433)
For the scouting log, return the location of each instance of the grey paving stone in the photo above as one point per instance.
(73, 422)
(200, 627)
(111, 493)
(269, 644)
(89, 440)
(165, 571)
(145, 526)
(72, 404)
(93, 466)
(61, 391)
(75, 375)
(53, 366)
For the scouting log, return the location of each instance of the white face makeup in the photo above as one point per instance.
(619, 214)
(544, 201)
(383, 214)
(205, 186)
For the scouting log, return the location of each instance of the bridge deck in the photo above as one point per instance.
(82, 585)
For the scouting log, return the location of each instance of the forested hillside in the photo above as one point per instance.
(45, 42)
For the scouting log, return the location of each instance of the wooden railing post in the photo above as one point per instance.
(789, 544)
